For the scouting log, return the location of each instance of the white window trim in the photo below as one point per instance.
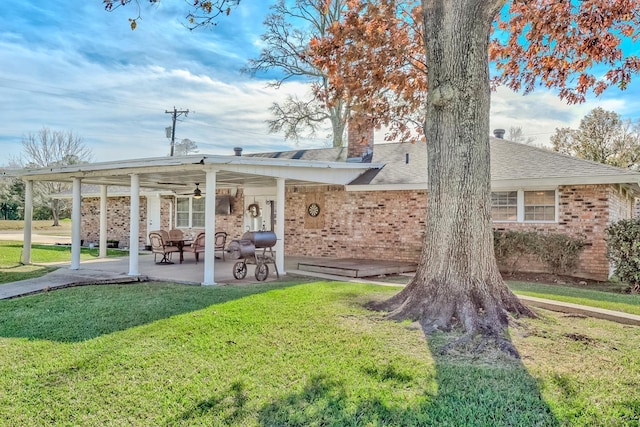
(520, 206)
(190, 213)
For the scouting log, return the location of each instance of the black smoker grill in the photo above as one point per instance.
(248, 247)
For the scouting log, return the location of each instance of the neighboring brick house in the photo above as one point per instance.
(381, 214)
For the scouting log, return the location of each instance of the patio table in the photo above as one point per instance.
(181, 243)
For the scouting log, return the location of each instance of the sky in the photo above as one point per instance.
(81, 69)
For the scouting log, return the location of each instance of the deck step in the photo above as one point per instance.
(349, 267)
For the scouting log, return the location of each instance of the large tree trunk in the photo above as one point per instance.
(457, 281)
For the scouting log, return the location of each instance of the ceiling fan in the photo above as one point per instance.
(196, 193)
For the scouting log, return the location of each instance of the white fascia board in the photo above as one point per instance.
(116, 166)
(10, 173)
(91, 171)
(556, 181)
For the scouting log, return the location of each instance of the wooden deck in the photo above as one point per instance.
(350, 267)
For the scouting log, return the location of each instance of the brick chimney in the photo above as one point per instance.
(360, 140)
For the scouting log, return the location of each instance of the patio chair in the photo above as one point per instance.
(221, 241)
(176, 235)
(165, 236)
(160, 247)
(197, 247)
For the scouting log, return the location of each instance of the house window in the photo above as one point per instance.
(540, 205)
(524, 206)
(182, 212)
(504, 205)
(190, 212)
(197, 212)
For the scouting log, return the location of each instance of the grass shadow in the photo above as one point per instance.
(83, 313)
(467, 395)
(231, 403)
(490, 389)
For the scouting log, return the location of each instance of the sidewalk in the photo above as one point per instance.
(63, 278)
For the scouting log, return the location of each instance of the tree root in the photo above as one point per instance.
(483, 316)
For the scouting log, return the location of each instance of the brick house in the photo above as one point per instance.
(378, 211)
(381, 214)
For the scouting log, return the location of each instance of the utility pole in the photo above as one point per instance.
(174, 116)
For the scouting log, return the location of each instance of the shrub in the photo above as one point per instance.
(559, 252)
(41, 213)
(511, 246)
(623, 250)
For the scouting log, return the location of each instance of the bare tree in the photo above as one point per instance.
(49, 148)
(185, 147)
(603, 136)
(289, 30)
(516, 134)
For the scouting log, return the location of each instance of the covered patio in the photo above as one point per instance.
(181, 174)
(187, 273)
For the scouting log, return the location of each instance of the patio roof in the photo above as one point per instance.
(181, 173)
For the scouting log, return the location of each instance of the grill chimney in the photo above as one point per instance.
(238, 151)
(499, 133)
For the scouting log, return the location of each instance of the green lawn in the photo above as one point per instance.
(12, 270)
(292, 354)
(627, 303)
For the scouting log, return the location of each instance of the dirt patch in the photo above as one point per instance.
(580, 338)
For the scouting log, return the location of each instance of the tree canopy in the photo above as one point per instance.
(603, 136)
(376, 54)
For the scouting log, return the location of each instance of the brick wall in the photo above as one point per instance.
(375, 225)
(117, 219)
(390, 224)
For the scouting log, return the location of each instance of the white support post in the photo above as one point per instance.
(103, 222)
(210, 229)
(280, 195)
(28, 219)
(134, 225)
(76, 219)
